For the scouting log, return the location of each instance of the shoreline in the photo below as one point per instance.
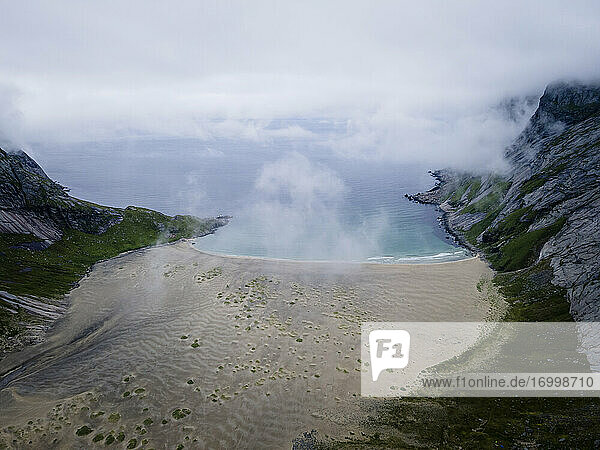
(337, 262)
(39, 331)
(187, 243)
(443, 178)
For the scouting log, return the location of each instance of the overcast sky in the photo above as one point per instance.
(407, 75)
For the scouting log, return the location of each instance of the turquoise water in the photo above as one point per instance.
(289, 198)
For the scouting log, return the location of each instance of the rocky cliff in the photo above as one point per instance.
(543, 213)
(31, 203)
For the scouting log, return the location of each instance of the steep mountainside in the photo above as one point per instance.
(540, 221)
(31, 203)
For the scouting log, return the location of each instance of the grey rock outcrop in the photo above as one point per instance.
(554, 179)
(31, 203)
(556, 172)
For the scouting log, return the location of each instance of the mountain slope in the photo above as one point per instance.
(541, 218)
(31, 203)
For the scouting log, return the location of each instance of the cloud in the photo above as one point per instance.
(10, 117)
(296, 205)
(412, 79)
(473, 139)
(283, 178)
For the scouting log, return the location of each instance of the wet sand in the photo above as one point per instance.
(169, 346)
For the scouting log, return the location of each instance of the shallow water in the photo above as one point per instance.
(290, 198)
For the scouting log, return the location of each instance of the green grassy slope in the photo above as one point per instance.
(52, 272)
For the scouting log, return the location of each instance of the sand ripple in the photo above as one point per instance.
(210, 351)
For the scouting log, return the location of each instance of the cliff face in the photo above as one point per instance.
(31, 203)
(546, 208)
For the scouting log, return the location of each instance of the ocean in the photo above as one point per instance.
(291, 198)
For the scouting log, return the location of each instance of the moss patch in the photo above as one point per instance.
(84, 431)
(490, 201)
(180, 413)
(538, 180)
(56, 269)
(524, 249)
(470, 184)
(532, 296)
(479, 423)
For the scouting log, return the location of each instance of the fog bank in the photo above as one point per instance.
(409, 81)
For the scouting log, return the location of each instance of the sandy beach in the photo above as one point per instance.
(169, 346)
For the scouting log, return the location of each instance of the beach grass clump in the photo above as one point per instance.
(114, 417)
(84, 430)
(11, 324)
(180, 413)
(132, 443)
(209, 274)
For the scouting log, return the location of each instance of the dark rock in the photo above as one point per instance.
(307, 441)
(31, 203)
(34, 246)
